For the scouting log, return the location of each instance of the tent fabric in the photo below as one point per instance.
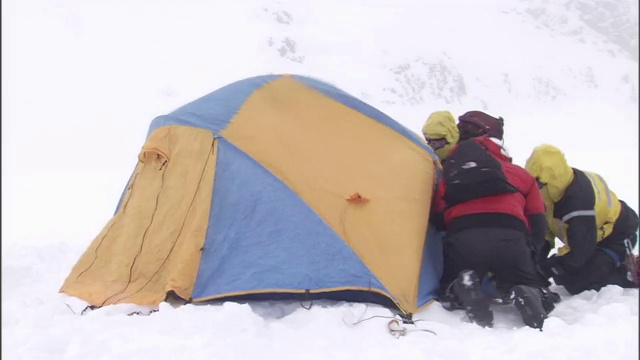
(233, 254)
(152, 244)
(247, 193)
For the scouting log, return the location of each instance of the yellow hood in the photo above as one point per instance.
(548, 164)
(442, 124)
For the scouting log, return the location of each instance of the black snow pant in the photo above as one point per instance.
(503, 252)
(606, 266)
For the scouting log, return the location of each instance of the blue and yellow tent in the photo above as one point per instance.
(272, 187)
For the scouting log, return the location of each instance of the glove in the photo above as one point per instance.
(551, 267)
(545, 250)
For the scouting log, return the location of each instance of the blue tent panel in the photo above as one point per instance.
(432, 265)
(261, 235)
(215, 110)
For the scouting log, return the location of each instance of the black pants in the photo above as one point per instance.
(602, 268)
(599, 271)
(504, 252)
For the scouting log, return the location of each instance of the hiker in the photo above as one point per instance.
(597, 229)
(493, 215)
(441, 133)
(477, 123)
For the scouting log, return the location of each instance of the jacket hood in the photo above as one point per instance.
(549, 166)
(442, 124)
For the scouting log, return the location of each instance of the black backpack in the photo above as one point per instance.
(471, 172)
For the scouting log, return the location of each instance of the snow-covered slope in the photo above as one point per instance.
(82, 80)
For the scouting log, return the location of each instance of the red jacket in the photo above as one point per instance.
(523, 204)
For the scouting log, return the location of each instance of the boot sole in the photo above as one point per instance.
(468, 290)
(529, 304)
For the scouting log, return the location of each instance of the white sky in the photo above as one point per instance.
(82, 80)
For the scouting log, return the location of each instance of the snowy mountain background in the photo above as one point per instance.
(82, 80)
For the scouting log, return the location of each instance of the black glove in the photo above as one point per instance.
(545, 250)
(551, 267)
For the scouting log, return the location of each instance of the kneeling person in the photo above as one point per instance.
(597, 229)
(493, 215)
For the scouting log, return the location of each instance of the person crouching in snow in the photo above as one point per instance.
(441, 133)
(493, 214)
(597, 229)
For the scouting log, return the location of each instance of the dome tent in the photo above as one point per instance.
(272, 187)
